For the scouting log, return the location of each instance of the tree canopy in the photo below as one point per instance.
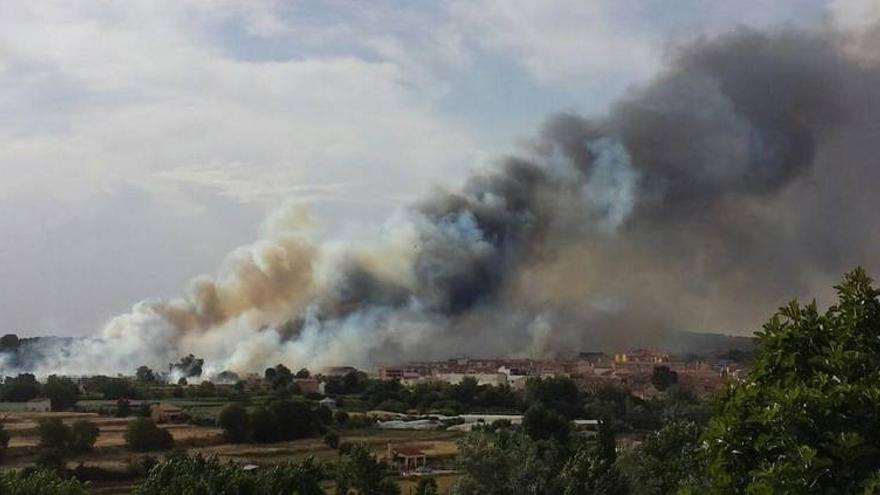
(807, 418)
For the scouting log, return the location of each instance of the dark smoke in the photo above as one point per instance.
(743, 176)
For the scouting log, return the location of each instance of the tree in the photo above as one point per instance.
(38, 482)
(21, 388)
(83, 436)
(295, 419)
(806, 418)
(662, 377)
(279, 376)
(507, 462)
(187, 367)
(593, 469)
(145, 375)
(557, 393)
(186, 475)
(234, 421)
(264, 425)
(667, 461)
(541, 423)
(60, 439)
(427, 486)
(4, 439)
(123, 408)
(54, 434)
(142, 435)
(358, 470)
(331, 439)
(61, 391)
(303, 373)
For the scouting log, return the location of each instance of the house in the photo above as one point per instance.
(328, 402)
(405, 459)
(164, 413)
(309, 385)
(39, 405)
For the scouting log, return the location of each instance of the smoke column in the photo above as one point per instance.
(742, 176)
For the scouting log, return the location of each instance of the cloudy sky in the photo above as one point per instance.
(141, 141)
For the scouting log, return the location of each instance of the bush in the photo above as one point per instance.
(54, 434)
(264, 425)
(341, 417)
(331, 439)
(184, 475)
(142, 435)
(234, 421)
(83, 436)
(38, 482)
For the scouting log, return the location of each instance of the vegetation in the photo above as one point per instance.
(186, 475)
(806, 419)
(142, 435)
(359, 473)
(38, 482)
(235, 423)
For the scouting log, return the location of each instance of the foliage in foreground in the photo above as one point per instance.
(38, 483)
(807, 419)
(197, 475)
(509, 461)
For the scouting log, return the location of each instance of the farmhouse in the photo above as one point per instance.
(39, 405)
(405, 459)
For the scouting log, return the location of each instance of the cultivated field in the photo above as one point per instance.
(110, 453)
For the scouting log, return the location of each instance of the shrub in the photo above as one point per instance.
(264, 425)
(234, 421)
(331, 439)
(142, 435)
(38, 482)
(83, 436)
(184, 475)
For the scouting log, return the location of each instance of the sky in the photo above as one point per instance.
(142, 141)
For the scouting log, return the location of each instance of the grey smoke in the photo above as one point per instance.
(741, 177)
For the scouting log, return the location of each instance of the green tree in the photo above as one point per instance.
(234, 421)
(331, 439)
(295, 419)
(668, 461)
(593, 469)
(427, 486)
(806, 418)
(4, 439)
(83, 436)
(38, 482)
(142, 435)
(145, 375)
(358, 472)
(507, 462)
(197, 475)
(662, 377)
(61, 391)
(21, 388)
(54, 434)
(264, 425)
(541, 423)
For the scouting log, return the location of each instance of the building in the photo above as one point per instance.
(406, 459)
(165, 413)
(39, 405)
(309, 385)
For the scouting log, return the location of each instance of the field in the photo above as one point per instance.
(110, 453)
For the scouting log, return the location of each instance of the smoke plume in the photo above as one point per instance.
(742, 176)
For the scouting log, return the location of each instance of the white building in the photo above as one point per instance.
(39, 405)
